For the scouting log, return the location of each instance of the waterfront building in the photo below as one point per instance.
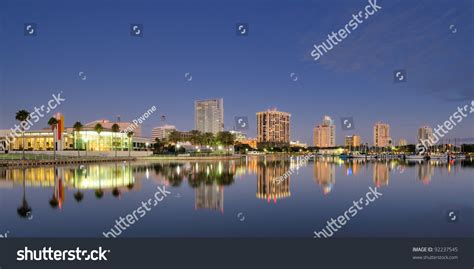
(252, 142)
(209, 115)
(86, 139)
(298, 144)
(324, 135)
(424, 133)
(162, 132)
(352, 141)
(382, 134)
(239, 136)
(402, 142)
(273, 128)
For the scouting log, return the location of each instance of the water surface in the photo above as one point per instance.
(239, 198)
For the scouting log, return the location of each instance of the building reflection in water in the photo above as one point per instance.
(352, 167)
(425, 171)
(206, 178)
(381, 174)
(324, 172)
(209, 197)
(84, 177)
(268, 187)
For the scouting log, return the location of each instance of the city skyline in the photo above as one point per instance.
(125, 75)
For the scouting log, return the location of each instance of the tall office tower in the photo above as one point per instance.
(273, 128)
(209, 115)
(424, 133)
(324, 135)
(382, 134)
(162, 132)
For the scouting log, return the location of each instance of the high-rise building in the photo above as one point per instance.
(352, 141)
(162, 132)
(402, 142)
(382, 134)
(273, 128)
(424, 133)
(324, 135)
(209, 115)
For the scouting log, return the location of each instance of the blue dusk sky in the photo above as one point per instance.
(432, 40)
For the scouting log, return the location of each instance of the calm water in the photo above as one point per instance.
(238, 198)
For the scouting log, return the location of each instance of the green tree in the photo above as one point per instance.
(53, 123)
(158, 146)
(196, 137)
(98, 128)
(22, 116)
(115, 130)
(77, 128)
(208, 139)
(226, 139)
(174, 137)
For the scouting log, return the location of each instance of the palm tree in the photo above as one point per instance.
(24, 210)
(174, 137)
(158, 146)
(208, 139)
(78, 196)
(53, 122)
(99, 193)
(195, 137)
(22, 116)
(98, 128)
(226, 139)
(129, 134)
(54, 201)
(115, 130)
(77, 128)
